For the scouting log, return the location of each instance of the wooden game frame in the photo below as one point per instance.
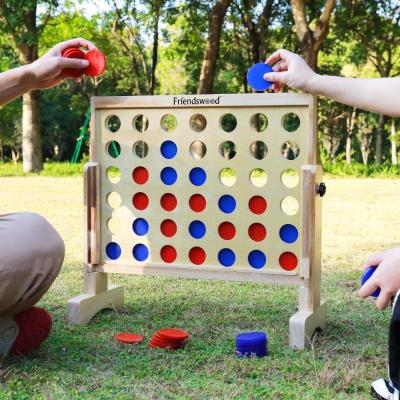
(99, 294)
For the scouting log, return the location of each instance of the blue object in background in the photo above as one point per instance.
(252, 343)
(140, 252)
(366, 275)
(169, 176)
(169, 149)
(288, 233)
(255, 76)
(226, 257)
(197, 229)
(197, 176)
(113, 250)
(140, 226)
(227, 203)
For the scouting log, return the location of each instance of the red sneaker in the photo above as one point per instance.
(34, 327)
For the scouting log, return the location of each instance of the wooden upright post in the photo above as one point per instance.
(311, 314)
(98, 294)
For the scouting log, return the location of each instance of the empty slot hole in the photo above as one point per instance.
(290, 178)
(113, 149)
(290, 150)
(198, 122)
(113, 174)
(113, 123)
(168, 122)
(198, 149)
(289, 205)
(228, 177)
(140, 149)
(227, 149)
(114, 199)
(291, 122)
(113, 225)
(258, 149)
(228, 122)
(141, 123)
(258, 177)
(259, 122)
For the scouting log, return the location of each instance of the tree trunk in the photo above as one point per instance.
(350, 127)
(393, 141)
(379, 140)
(215, 19)
(155, 51)
(31, 141)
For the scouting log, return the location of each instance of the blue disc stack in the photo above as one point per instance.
(251, 344)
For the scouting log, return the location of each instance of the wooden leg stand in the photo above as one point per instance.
(98, 296)
(312, 312)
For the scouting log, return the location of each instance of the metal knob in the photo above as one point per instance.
(321, 189)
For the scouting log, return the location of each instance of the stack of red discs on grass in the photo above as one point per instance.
(169, 338)
(97, 62)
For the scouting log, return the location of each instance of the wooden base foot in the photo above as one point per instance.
(83, 308)
(303, 325)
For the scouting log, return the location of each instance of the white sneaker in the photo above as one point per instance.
(381, 389)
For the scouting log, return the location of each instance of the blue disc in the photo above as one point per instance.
(169, 176)
(226, 257)
(197, 229)
(197, 176)
(288, 233)
(255, 76)
(366, 275)
(140, 252)
(140, 226)
(169, 149)
(227, 203)
(251, 338)
(113, 250)
(257, 259)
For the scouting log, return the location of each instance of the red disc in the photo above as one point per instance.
(168, 202)
(168, 228)
(168, 254)
(257, 232)
(257, 204)
(140, 201)
(197, 255)
(73, 52)
(128, 338)
(227, 230)
(97, 62)
(140, 175)
(288, 261)
(197, 203)
(174, 334)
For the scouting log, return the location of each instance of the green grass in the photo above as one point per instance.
(86, 362)
(50, 169)
(341, 169)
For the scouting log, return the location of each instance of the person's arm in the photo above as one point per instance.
(379, 94)
(41, 74)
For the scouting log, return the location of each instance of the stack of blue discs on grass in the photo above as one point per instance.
(251, 344)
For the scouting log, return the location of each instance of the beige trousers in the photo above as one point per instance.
(31, 255)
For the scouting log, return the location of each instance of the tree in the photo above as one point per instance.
(20, 21)
(208, 69)
(311, 39)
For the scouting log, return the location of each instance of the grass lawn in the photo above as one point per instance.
(360, 216)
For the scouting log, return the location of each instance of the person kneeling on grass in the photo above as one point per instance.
(31, 251)
(378, 95)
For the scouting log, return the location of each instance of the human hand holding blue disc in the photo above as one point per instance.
(255, 76)
(366, 275)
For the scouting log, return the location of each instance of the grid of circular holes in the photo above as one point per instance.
(113, 123)
(258, 177)
(140, 149)
(198, 149)
(227, 149)
(113, 174)
(228, 177)
(258, 149)
(168, 122)
(113, 149)
(228, 122)
(114, 225)
(290, 178)
(291, 122)
(198, 122)
(141, 123)
(289, 205)
(113, 199)
(290, 150)
(259, 122)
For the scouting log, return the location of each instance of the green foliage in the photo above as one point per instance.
(50, 169)
(358, 170)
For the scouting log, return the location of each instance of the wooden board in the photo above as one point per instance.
(243, 107)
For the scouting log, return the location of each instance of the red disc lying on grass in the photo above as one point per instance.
(174, 334)
(131, 338)
(169, 338)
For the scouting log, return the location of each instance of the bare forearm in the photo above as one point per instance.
(15, 82)
(380, 95)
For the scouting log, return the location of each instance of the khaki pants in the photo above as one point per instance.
(31, 255)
